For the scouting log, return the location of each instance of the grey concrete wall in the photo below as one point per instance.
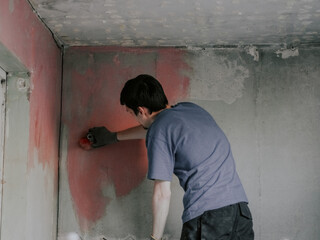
(288, 117)
(268, 104)
(15, 178)
(272, 119)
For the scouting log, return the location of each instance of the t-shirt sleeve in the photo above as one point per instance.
(161, 160)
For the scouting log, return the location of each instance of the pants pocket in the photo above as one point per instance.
(245, 211)
(245, 224)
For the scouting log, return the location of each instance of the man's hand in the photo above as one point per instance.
(98, 137)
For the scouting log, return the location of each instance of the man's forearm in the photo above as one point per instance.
(160, 207)
(137, 132)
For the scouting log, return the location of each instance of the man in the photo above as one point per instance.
(185, 140)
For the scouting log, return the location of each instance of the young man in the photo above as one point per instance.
(186, 141)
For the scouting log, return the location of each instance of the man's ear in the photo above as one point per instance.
(143, 110)
(140, 110)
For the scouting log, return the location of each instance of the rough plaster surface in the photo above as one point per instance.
(41, 206)
(289, 138)
(181, 22)
(286, 53)
(272, 122)
(216, 76)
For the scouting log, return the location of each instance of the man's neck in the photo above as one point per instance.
(155, 114)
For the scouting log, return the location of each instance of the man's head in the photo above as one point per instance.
(143, 91)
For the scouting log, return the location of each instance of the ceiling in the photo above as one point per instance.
(195, 23)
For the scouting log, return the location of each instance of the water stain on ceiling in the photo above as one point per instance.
(181, 22)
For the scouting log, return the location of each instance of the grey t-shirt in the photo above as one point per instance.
(186, 140)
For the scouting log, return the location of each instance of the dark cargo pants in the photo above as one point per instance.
(232, 222)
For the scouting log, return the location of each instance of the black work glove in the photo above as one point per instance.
(100, 136)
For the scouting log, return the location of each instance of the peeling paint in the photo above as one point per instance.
(287, 53)
(253, 51)
(22, 85)
(196, 23)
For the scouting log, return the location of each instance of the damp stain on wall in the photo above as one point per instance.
(92, 86)
(216, 77)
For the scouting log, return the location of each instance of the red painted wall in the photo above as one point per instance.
(28, 39)
(24, 35)
(93, 79)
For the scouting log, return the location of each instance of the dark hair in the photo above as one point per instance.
(143, 91)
